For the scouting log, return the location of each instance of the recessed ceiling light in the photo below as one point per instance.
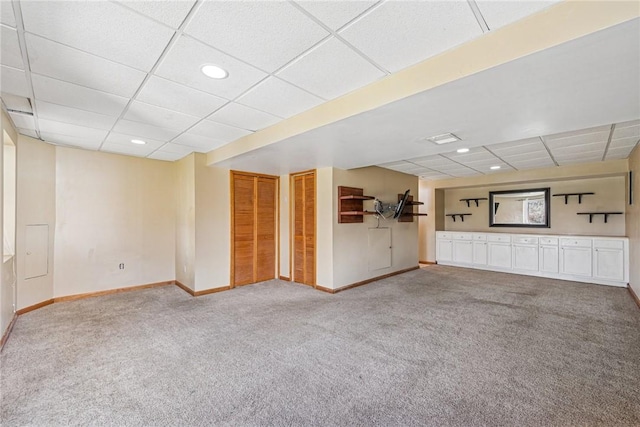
(462, 150)
(214, 71)
(445, 138)
(494, 167)
(138, 141)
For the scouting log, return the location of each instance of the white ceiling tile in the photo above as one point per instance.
(73, 141)
(435, 177)
(71, 95)
(127, 149)
(265, 34)
(158, 116)
(632, 123)
(183, 63)
(579, 132)
(201, 144)
(628, 131)
(517, 147)
(177, 97)
(577, 140)
(532, 155)
(103, 28)
(392, 164)
(624, 142)
(420, 29)
(533, 164)
(51, 126)
(218, 131)
(28, 132)
(279, 98)
(500, 13)
(166, 156)
(13, 81)
(171, 13)
(123, 139)
(11, 55)
(24, 121)
(74, 116)
(574, 160)
(6, 14)
(330, 70)
(244, 117)
(180, 149)
(578, 149)
(18, 103)
(144, 131)
(72, 65)
(619, 152)
(474, 155)
(334, 14)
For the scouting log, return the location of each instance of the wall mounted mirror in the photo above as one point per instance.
(519, 208)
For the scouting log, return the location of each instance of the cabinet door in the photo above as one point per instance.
(608, 264)
(445, 250)
(480, 253)
(549, 259)
(499, 255)
(463, 251)
(525, 257)
(575, 261)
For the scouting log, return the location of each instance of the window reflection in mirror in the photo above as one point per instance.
(519, 208)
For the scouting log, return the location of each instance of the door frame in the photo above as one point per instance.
(292, 223)
(232, 264)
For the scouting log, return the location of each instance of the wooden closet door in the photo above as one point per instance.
(265, 229)
(304, 229)
(254, 228)
(243, 229)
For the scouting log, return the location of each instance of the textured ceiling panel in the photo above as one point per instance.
(334, 14)
(51, 126)
(6, 14)
(73, 141)
(173, 96)
(244, 117)
(74, 116)
(127, 149)
(103, 28)
(331, 69)
(218, 131)
(158, 116)
(23, 121)
(123, 139)
(71, 95)
(201, 144)
(171, 13)
(13, 81)
(143, 130)
(265, 34)
(279, 98)
(167, 156)
(11, 55)
(72, 65)
(420, 30)
(500, 13)
(183, 63)
(18, 103)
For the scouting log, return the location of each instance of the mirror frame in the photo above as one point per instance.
(547, 203)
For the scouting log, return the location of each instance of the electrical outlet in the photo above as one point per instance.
(121, 266)
(184, 268)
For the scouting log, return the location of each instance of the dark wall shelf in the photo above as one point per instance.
(350, 205)
(407, 213)
(567, 195)
(473, 199)
(605, 214)
(461, 215)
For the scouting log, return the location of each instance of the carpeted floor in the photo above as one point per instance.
(437, 346)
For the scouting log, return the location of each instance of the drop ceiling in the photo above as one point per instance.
(96, 75)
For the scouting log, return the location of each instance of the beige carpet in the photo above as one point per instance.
(437, 346)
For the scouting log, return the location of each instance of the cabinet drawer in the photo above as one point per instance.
(463, 236)
(580, 243)
(443, 235)
(482, 237)
(608, 244)
(499, 238)
(549, 241)
(526, 240)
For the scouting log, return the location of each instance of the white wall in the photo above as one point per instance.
(112, 209)
(325, 206)
(350, 241)
(185, 221)
(36, 205)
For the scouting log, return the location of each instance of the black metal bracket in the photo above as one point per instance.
(567, 195)
(604, 214)
(461, 215)
(475, 199)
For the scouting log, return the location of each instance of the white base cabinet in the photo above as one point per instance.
(601, 260)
